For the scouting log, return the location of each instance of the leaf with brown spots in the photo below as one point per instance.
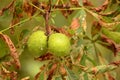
(7, 7)
(101, 69)
(13, 51)
(47, 56)
(17, 15)
(74, 2)
(115, 47)
(6, 73)
(75, 24)
(102, 7)
(87, 3)
(61, 30)
(66, 12)
(62, 70)
(51, 71)
(14, 21)
(30, 10)
(116, 63)
(37, 76)
(110, 77)
(41, 73)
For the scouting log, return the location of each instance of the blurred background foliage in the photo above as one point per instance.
(87, 42)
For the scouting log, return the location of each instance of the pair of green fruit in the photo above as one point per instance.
(58, 44)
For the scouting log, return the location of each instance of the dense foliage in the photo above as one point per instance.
(89, 29)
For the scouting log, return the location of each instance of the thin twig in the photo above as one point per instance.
(15, 25)
(72, 8)
(21, 22)
(64, 9)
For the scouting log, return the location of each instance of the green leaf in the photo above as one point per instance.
(83, 59)
(79, 14)
(18, 3)
(107, 19)
(71, 31)
(106, 53)
(95, 37)
(115, 36)
(79, 30)
(86, 76)
(117, 27)
(71, 74)
(101, 69)
(81, 2)
(40, 19)
(58, 19)
(18, 6)
(82, 13)
(3, 48)
(91, 60)
(102, 49)
(58, 78)
(5, 20)
(80, 42)
(23, 34)
(41, 77)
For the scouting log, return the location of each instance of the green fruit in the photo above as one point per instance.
(115, 36)
(59, 44)
(37, 43)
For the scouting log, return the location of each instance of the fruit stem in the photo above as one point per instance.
(48, 29)
(46, 16)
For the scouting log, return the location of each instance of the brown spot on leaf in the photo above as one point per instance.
(87, 3)
(75, 24)
(62, 70)
(94, 70)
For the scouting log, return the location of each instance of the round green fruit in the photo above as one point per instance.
(37, 43)
(59, 44)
